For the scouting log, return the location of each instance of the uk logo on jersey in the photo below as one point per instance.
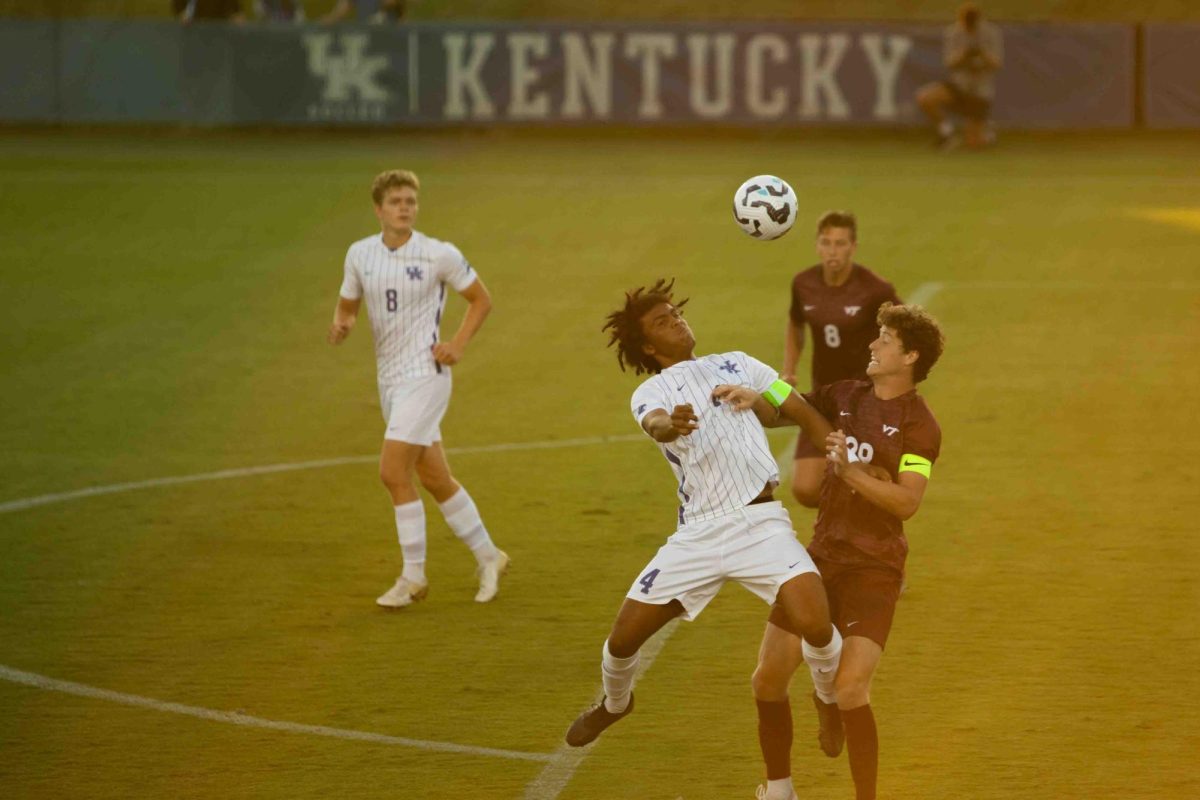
(852, 310)
(414, 273)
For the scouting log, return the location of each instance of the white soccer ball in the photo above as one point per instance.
(765, 207)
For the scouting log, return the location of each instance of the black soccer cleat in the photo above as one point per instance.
(830, 733)
(591, 723)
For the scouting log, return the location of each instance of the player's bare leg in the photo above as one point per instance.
(807, 476)
(860, 658)
(397, 467)
(934, 98)
(801, 606)
(463, 517)
(636, 622)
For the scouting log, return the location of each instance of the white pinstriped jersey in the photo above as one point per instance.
(405, 294)
(726, 462)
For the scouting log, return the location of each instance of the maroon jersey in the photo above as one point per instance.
(841, 320)
(849, 529)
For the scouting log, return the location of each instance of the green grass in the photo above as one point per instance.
(920, 10)
(167, 301)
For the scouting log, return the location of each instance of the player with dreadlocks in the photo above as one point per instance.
(730, 527)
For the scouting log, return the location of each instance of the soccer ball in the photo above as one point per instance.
(765, 207)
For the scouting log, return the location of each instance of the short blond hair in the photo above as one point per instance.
(393, 179)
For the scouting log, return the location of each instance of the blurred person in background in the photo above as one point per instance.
(279, 10)
(376, 12)
(972, 52)
(188, 10)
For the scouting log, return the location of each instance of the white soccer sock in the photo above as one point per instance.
(781, 787)
(617, 674)
(823, 664)
(946, 127)
(463, 518)
(410, 528)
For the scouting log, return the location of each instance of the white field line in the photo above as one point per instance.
(555, 776)
(116, 488)
(80, 690)
(923, 294)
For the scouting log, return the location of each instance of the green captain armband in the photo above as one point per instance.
(917, 464)
(777, 392)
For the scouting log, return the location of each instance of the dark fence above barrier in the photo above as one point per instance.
(754, 74)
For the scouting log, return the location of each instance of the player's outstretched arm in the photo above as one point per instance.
(796, 408)
(664, 427)
(900, 499)
(344, 317)
(479, 306)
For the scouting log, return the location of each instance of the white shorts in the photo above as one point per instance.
(414, 408)
(755, 546)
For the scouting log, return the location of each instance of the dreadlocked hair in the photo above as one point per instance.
(626, 325)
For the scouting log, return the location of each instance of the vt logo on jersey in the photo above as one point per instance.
(852, 310)
(729, 367)
(414, 273)
(889, 430)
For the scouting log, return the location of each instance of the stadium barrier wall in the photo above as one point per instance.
(1171, 75)
(484, 74)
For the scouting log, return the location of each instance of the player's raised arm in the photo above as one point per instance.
(667, 427)
(479, 306)
(900, 499)
(344, 317)
(793, 346)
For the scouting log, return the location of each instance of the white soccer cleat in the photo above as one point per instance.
(403, 593)
(489, 577)
(762, 793)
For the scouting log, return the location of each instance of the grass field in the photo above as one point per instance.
(167, 301)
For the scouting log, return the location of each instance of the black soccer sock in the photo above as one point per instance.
(862, 745)
(775, 737)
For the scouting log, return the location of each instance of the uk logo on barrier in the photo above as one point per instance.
(352, 88)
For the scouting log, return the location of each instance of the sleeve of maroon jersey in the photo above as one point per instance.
(922, 435)
(797, 309)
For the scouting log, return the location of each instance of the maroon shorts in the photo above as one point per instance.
(862, 599)
(806, 449)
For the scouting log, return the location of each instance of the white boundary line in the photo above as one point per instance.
(555, 776)
(81, 690)
(924, 294)
(116, 488)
